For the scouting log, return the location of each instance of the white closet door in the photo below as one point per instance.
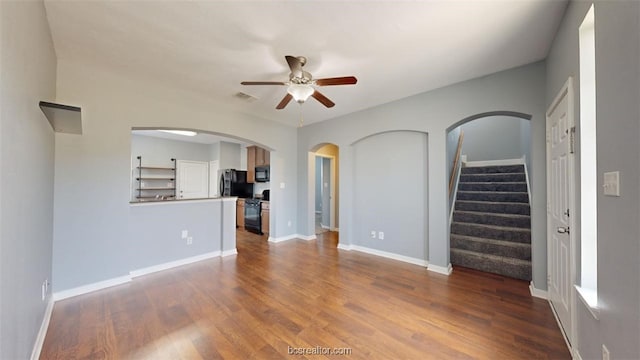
(193, 179)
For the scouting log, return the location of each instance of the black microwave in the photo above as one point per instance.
(262, 174)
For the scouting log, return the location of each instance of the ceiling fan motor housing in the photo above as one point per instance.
(302, 85)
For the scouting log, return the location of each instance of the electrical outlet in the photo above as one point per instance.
(190, 240)
(282, 185)
(381, 235)
(44, 291)
(185, 233)
(289, 223)
(373, 234)
(605, 353)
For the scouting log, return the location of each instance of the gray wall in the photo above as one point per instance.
(92, 172)
(229, 155)
(617, 25)
(28, 74)
(157, 230)
(520, 90)
(390, 192)
(496, 138)
(159, 151)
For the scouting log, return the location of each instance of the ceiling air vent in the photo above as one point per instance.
(246, 97)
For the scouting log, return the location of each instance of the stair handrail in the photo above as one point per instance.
(456, 161)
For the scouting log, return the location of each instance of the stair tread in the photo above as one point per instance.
(491, 241)
(492, 202)
(495, 182)
(505, 228)
(506, 259)
(505, 173)
(492, 192)
(492, 214)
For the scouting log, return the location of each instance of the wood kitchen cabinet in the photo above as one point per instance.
(265, 216)
(240, 214)
(256, 156)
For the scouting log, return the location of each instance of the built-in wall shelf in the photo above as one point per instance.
(154, 168)
(63, 118)
(155, 183)
(155, 178)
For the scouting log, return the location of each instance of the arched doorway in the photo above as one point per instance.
(324, 175)
(488, 157)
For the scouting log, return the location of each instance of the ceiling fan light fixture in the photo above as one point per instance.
(300, 92)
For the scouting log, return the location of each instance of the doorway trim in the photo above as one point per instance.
(332, 186)
(566, 90)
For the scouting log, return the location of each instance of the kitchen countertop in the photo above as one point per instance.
(168, 201)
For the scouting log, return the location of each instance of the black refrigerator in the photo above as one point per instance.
(234, 183)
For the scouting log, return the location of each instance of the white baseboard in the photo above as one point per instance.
(535, 292)
(342, 246)
(576, 355)
(444, 270)
(291, 237)
(42, 333)
(335, 229)
(325, 227)
(282, 238)
(495, 162)
(389, 255)
(84, 289)
(233, 251)
(172, 264)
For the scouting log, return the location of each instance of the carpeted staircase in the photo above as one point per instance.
(491, 227)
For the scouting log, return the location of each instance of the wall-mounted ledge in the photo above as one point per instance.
(63, 118)
(186, 201)
(589, 298)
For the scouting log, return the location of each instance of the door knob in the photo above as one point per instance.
(563, 230)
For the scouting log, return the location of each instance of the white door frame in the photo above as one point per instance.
(566, 90)
(332, 185)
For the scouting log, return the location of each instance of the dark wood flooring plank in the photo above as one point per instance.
(271, 298)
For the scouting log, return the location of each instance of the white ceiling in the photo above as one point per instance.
(395, 49)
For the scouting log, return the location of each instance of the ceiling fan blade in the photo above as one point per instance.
(284, 101)
(295, 65)
(345, 80)
(323, 99)
(263, 83)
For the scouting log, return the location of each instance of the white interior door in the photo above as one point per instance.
(559, 187)
(193, 179)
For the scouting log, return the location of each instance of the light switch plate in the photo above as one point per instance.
(612, 183)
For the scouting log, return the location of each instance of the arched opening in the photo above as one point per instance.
(178, 163)
(489, 160)
(324, 180)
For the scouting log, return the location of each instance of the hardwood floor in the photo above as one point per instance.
(271, 298)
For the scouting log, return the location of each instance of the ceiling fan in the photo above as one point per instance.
(302, 84)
